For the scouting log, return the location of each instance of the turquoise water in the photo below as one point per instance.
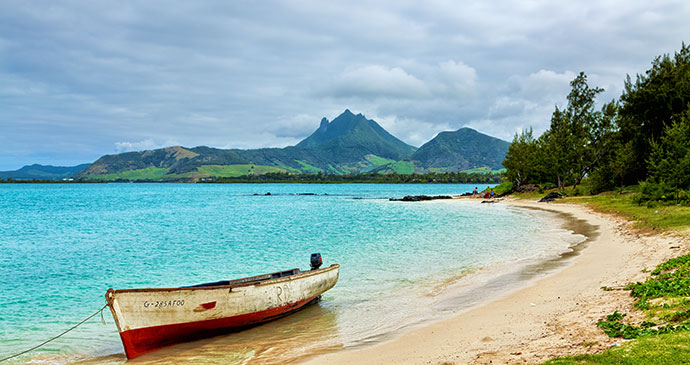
(62, 246)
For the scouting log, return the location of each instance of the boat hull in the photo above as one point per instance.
(149, 319)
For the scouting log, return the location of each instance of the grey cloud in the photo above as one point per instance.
(78, 77)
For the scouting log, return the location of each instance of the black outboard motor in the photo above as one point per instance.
(316, 261)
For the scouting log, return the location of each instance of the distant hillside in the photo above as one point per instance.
(42, 172)
(461, 150)
(348, 144)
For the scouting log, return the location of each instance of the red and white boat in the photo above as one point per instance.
(149, 319)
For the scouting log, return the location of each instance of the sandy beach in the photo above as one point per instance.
(555, 316)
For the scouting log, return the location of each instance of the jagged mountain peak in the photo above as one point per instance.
(358, 136)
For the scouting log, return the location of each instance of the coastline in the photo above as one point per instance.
(555, 315)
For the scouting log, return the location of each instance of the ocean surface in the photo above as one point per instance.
(63, 245)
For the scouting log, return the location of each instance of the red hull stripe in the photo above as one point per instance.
(143, 340)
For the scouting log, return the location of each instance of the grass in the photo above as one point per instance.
(149, 173)
(233, 170)
(378, 161)
(309, 168)
(664, 336)
(402, 167)
(622, 202)
(484, 170)
(651, 218)
(161, 174)
(664, 298)
(672, 348)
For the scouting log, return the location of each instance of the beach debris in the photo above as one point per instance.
(532, 304)
(419, 198)
(489, 201)
(550, 197)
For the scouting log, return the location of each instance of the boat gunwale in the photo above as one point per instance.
(299, 275)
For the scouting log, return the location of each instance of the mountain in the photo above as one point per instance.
(348, 144)
(461, 150)
(350, 138)
(42, 172)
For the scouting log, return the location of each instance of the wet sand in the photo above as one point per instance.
(554, 315)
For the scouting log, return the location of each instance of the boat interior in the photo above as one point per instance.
(249, 280)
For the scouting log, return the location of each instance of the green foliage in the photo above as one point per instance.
(652, 103)
(681, 262)
(519, 161)
(616, 328)
(670, 281)
(664, 349)
(503, 188)
(644, 137)
(625, 203)
(674, 283)
(669, 164)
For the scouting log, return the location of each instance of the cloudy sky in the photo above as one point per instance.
(80, 79)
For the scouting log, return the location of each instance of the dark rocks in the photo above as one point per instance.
(419, 198)
(466, 194)
(550, 197)
(489, 201)
(527, 188)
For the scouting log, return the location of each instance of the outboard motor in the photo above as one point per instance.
(316, 261)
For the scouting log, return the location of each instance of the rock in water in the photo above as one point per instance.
(419, 198)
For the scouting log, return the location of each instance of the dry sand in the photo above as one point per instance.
(555, 316)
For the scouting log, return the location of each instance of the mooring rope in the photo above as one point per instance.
(56, 337)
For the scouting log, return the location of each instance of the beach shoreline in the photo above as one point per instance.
(554, 315)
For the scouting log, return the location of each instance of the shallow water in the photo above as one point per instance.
(62, 246)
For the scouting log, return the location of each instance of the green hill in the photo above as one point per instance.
(461, 150)
(348, 144)
(42, 172)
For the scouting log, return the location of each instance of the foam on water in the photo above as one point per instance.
(62, 246)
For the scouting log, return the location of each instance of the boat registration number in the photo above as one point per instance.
(164, 303)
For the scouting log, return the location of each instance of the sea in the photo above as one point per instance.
(402, 264)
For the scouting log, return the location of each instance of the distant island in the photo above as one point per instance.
(349, 145)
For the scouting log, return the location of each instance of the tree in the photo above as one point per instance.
(554, 145)
(649, 105)
(669, 160)
(520, 159)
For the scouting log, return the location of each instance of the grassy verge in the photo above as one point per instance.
(623, 203)
(673, 348)
(663, 337)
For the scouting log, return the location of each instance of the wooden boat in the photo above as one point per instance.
(149, 319)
